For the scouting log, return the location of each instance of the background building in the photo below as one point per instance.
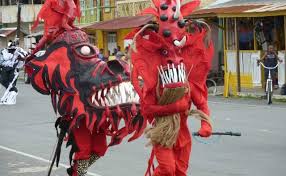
(29, 10)
(243, 42)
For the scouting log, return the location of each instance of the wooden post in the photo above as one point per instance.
(254, 35)
(237, 55)
(226, 74)
(225, 40)
(285, 48)
(18, 19)
(3, 2)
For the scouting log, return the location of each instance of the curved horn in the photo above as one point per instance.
(207, 38)
(205, 24)
(133, 45)
(180, 43)
(178, 9)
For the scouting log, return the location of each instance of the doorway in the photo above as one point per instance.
(111, 42)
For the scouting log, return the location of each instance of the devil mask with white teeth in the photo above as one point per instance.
(86, 90)
(165, 55)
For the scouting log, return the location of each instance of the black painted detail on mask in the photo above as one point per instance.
(181, 23)
(163, 17)
(164, 7)
(167, 33)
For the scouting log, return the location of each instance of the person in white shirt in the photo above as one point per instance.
(11, 60)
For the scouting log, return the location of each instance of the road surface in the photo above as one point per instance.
(27, 139)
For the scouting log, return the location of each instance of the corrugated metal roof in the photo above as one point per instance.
(225, 10)
(121, 23)
(228, 3)
(4, 32)
(221, 7)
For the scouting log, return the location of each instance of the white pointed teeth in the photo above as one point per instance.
(172, 74)
(93, 100)
(104, 92)
(123, 93)
(99, 94)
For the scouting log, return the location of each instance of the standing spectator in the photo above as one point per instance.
(114, 52)
(119, 53)
(101, 55)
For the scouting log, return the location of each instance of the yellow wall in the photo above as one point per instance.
(101, 38)
(120, 37)
(108, 15)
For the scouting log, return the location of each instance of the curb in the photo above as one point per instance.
(259, 96)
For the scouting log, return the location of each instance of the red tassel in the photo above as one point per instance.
(150, 164)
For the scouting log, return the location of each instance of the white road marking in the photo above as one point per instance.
(39, 158)
(265, 130)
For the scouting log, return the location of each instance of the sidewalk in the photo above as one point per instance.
(254, 93)
(260, 93)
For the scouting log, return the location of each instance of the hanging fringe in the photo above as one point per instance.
(63, 125)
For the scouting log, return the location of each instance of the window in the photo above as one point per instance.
(38, 1)
(82, 7)
(107, 6)
(91, 7)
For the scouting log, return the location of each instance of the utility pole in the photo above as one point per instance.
(18, 19)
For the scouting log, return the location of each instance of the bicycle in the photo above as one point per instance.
(214, 80)
(269, 81)
(211, 85)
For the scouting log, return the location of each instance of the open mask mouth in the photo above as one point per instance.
(172, 76)
(122, 95)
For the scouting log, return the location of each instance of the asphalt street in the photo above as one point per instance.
(28, 137)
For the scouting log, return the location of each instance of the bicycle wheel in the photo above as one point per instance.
(211, 85)
(269, 94)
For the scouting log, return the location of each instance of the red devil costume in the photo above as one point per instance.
(56, 23)
(169, 62)
(90, 96)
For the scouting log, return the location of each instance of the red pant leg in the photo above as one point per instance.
(166, 161)
(82, 138)
(182, 157)
(99, 144)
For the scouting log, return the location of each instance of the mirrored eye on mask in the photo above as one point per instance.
(164, 52)
(85, 51)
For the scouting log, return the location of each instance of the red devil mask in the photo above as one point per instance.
(165, 55)
(170, 17)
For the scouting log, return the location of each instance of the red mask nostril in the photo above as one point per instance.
(170, 62)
